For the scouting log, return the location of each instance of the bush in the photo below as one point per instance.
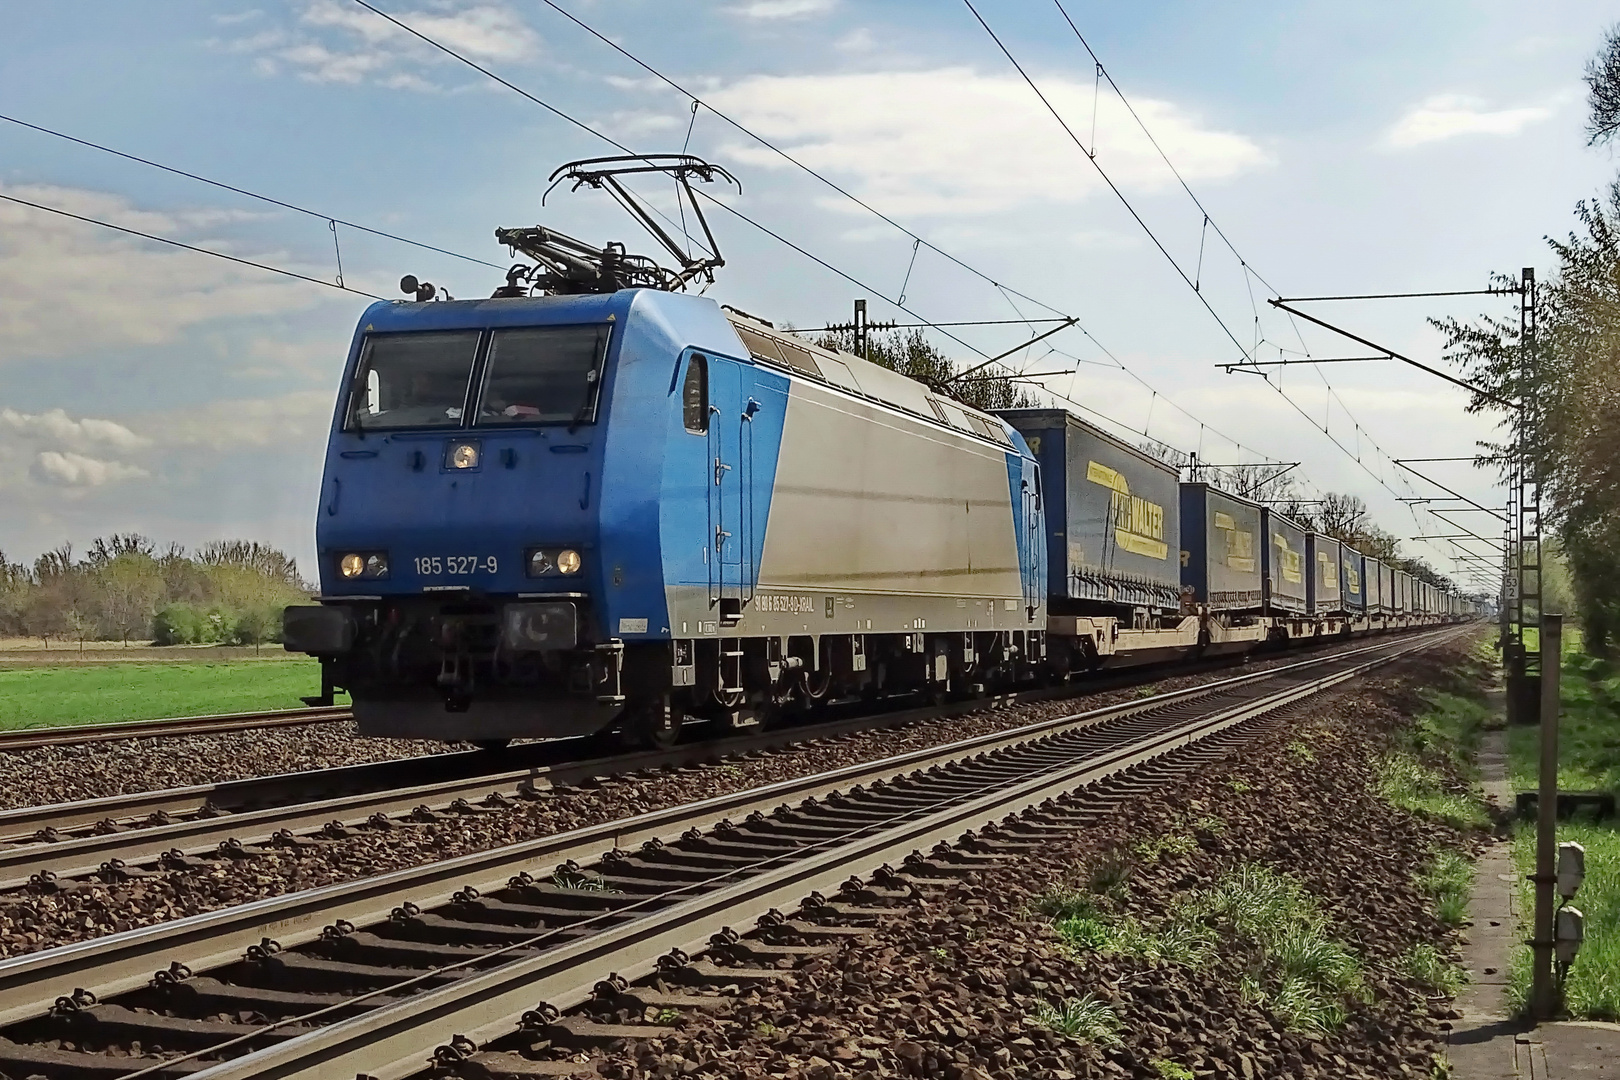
(177, 624)
(256, 626)
(184, 624)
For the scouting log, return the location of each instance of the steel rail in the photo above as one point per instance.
(231, 810)
(397, 1040)
(74, 734)
(125, 961)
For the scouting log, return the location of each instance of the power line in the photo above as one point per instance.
(1209, 222)
(915, 237)
(581, 125)
(188, 247)
(1092, 157)
(244, 191)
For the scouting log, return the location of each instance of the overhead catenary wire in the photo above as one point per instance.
(1091, 157)
(1207, 224)
(246, 192)
(188, 247)
(726, 207)
(917, 239)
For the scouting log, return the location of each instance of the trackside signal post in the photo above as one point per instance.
(1523, 657)
(1543, 990)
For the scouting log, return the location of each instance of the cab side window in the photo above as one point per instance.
(695, 395)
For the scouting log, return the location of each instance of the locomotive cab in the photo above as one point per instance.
(460, 529)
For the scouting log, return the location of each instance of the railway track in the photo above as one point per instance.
(73, 735)
(375, 976)
(112, 837)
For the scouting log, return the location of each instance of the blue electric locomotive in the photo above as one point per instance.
(555, 515)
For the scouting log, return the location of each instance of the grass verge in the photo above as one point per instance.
(1290, 963)
(106, 692)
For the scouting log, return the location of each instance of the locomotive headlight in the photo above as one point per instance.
(551, 562)
(351, 566)
(464, 456)
(377, 565)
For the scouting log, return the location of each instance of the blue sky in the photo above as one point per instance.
(1342, 148)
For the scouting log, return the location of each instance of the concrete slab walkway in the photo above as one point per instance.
(1486, 1043)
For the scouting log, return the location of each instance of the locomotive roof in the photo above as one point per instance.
(849, 372)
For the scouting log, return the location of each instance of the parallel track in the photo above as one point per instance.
(469, 945)
(74, 734)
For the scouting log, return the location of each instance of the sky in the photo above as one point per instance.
(1317, 149)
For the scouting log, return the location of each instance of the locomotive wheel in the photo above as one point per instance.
(653, 727)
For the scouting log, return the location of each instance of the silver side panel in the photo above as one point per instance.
(869, 501)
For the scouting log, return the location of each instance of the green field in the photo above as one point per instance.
(96, 693)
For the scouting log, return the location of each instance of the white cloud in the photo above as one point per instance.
(858, 40)
(77, 470)
(332, 41)
(1450, 115)
(56, 426)
(243, 423)
(782, 9)
(71, 286)
(956, 141)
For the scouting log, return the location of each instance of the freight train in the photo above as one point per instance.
(620, 510)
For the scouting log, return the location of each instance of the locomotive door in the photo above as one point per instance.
(730, 465)
(1033, 566)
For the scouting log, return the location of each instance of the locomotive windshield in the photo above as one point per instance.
(531, 375)
(543, 374)
(413, 380)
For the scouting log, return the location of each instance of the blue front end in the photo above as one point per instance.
(489, 542)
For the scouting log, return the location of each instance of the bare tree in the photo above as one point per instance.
(1343, 517)
(1603, 90)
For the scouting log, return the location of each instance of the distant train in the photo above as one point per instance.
(559, 515)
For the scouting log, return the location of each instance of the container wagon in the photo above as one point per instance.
(1113, 542)
(1220, 566)
(1323, 597)
(1352, 585)
(1283, 561)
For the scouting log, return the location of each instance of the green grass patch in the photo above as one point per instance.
(1170, 844)
(1592, 990)
(1450, 728)
(1588, 730)
(1172, 1070)
(1430, 968)
(97, 693)
(1293, 966)
(1406, 782)
(1448, 882)
(1588, 759)
(1087, 1018)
